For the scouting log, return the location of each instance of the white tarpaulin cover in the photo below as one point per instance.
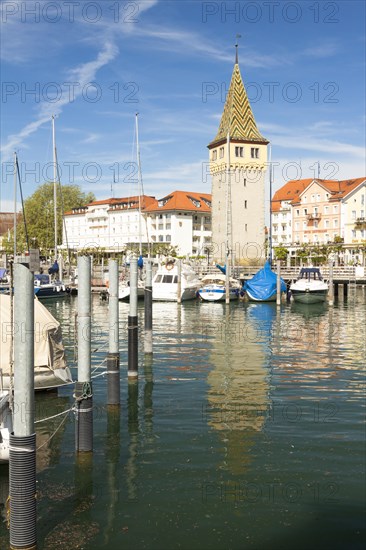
(49, 352)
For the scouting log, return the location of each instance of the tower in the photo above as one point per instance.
(238, 161)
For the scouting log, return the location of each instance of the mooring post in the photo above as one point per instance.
(113, 359)
(330, 283)
(22, 455)
(345, 291)
(179, 286)
(133, 323)
(278, 283)
(148, 345)
(227, 280)
(83, 386)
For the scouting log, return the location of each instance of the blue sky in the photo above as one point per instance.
(94, 64)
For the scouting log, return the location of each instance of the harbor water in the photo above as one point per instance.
(245, 430)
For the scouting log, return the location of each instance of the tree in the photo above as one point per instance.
(280, 252)
(39, 215)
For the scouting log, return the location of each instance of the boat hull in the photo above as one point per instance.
(124, 293)
(309, 296)
(211, 294)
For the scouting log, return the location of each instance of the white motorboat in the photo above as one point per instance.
(309, 288)
(124, 290)
(165, 282)
(50, 368)
(213, 288)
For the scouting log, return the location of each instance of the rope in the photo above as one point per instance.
(54, 416)
(55, 432)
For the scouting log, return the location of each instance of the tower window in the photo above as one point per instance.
(221, 152)
(245, 182)
(254, 152)
(214, 154)
(239, 151)
(246, 227)
(245, 204)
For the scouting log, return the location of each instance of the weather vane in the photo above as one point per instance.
(236, 47)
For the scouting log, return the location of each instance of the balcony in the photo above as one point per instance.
(360, 223)
(314, 216)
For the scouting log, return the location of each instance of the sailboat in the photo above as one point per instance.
(263, 285)
(124, 284)
(50, 285)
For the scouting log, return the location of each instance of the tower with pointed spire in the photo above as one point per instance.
(238, 161)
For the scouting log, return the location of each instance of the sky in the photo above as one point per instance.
(93, 65)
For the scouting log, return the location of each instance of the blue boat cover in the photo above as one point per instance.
(264, 283)
(140, 262)
(2, 272)
(42, 278)
(54, 268)
(221, 268)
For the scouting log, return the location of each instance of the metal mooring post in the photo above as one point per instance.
(148, 341)
(113, 359)
(83, 386)
(22, 456)
(330, 283)
(133, 323)
(278, 284)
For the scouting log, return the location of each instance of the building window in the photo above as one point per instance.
(326, 209)
(245, 182)
(335, 223)
(297, 212)
(168, 238)
(335, 208)
(246, 227)
(326, 223)
(305, 211)
(239, 151)
(353, 214)
(353, 233)
(254, 152)
(245, 204)
(221, 152)
(214, 154)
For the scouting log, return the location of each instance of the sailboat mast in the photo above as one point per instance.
(15, 204)
(54, 183)
(270, 204)
(139, 179)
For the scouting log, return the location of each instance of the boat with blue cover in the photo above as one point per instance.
(263, 286)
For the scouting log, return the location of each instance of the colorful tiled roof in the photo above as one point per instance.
(292, 190)
(182, 200)
(237, 118)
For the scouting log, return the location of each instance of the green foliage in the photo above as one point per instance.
(39, 214)
(280, 252)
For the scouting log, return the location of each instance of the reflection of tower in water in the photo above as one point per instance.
(238, 394)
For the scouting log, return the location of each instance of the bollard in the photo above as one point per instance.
(113, 359)
(148, 344)
(179, 285)
(22, 455)
(330, 283)
(278, 284)
(83, 387)
(133, 322)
